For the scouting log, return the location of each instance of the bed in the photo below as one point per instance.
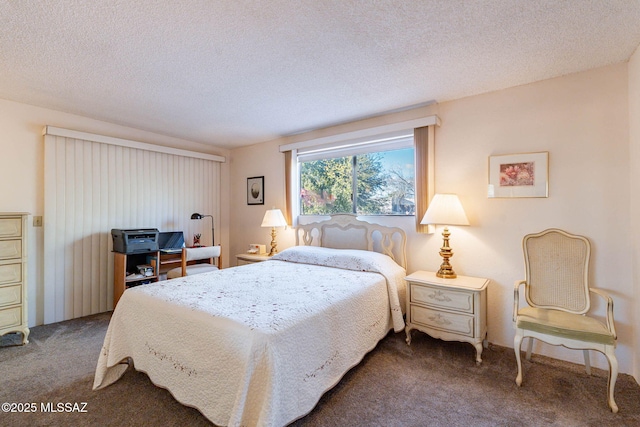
(258, 345)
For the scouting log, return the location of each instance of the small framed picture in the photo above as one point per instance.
(519, 175)
(255, 190)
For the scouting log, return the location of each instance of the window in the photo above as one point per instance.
(366, 183)
(304, 195)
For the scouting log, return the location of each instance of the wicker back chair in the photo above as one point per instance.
(558, 294)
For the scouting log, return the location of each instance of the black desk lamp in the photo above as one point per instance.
(200, 216)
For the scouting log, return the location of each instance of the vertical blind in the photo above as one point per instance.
(92, 187)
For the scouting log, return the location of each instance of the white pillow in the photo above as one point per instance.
(347, 259)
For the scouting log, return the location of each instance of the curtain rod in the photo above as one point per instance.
(363, 133)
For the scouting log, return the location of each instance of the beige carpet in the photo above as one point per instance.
(430, 383)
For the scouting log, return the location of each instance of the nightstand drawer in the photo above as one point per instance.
(10, 295)
(448, 322)
(10, 317)
(442, 298)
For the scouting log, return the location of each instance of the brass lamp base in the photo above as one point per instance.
(446, 270)
(274, 245)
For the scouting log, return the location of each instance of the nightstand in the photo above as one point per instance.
(448, 309)
(244, 259)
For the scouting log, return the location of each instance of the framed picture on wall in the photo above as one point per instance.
(519, 175)
(255, 190)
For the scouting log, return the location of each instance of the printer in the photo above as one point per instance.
(135, 241)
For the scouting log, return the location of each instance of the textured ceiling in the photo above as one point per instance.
(237, 72)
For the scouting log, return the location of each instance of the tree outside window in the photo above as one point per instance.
(380, 183)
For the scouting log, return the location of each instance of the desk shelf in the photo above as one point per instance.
(126, 264)
(169, 261)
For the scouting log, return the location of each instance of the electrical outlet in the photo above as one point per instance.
(37, 221)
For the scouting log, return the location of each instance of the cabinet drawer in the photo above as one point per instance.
(10, 227)
(449, 322)
(10, 273)
(10, 317)
(10, 249)
(443, 298)
(10, 295)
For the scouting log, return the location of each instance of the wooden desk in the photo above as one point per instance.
(124, 267)
(169, 261)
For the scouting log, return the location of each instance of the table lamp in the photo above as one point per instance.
(273, 218)
(445, 209)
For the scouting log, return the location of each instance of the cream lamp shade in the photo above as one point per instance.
(273, 218)
(445, 209)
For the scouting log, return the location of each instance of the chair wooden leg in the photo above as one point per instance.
(517, 342)
(613, 376)
(529, 348)
(587, 361)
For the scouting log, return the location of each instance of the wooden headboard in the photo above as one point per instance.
(345, 231)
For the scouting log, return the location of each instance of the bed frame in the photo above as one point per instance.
(345, 231)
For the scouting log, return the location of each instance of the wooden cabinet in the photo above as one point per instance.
(448, 309)
(13, 274)
(127, 275)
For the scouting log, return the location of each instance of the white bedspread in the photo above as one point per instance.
(257, 345)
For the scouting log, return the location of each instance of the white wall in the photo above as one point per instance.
(22, 174)
(256, 160)
(634, 140)
(581, 120)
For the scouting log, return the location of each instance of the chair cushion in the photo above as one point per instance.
(191, 270)
(565, 325)
(200, 268)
